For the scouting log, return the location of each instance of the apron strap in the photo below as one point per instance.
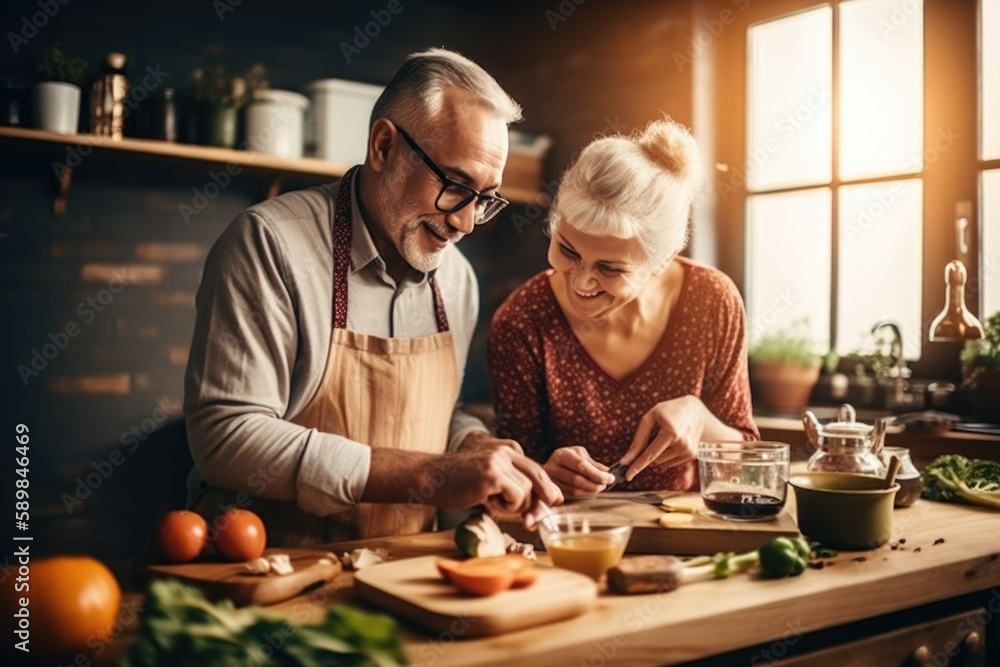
(342, 259)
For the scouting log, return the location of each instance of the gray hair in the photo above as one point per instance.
(640, 186)
(417, 89)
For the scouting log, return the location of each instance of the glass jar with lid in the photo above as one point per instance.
(846, 445)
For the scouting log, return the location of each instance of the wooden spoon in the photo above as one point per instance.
(890, 474)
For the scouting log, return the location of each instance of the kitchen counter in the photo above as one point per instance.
(925, 591)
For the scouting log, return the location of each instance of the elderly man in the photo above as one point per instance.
(334, 324)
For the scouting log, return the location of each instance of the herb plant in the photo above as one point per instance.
(54, 65)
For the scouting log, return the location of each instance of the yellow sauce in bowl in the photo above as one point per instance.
(587, 554)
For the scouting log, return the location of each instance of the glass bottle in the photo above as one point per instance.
(107, 102)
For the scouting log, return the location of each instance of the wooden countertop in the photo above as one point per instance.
(720, 616)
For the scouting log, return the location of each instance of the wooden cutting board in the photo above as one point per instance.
(221, 580)
(704, 535)
(413, 588)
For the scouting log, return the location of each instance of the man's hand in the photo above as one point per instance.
(576, 474)
(483, 440)
(498, 476)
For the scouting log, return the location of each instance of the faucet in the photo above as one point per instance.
(899, 371)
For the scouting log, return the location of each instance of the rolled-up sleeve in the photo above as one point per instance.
(239, 378)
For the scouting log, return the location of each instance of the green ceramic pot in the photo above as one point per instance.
(843, 511)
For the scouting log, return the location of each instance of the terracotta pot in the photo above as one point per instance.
(784, 387)
(985, 397)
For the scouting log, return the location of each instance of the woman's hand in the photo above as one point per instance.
(575, 473)
(667, 435)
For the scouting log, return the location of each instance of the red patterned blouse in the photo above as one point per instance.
(548, 392)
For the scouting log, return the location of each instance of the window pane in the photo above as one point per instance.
(788, 263)
(879, 268)
(989, 268)
(789, 129)
(989, 72)
(881, 88)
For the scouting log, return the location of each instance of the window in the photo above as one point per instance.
(865, 140)
(858, 228)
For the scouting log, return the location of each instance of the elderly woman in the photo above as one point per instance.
(623, 351)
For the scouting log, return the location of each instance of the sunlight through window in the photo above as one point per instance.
(790, 101)
(881, 89)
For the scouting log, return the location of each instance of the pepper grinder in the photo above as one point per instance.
(107, 104)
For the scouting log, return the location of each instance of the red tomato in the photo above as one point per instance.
(240, 535)
(182, 536)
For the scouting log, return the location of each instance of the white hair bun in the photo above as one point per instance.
(669, 145)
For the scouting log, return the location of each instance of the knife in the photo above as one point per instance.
(618, 470)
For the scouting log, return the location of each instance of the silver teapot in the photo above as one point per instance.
(846, 445)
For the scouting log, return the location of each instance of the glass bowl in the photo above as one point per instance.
(586, 542)
(743, 481)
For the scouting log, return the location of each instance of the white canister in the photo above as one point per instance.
(339, 117)
(57, 106)
(275, 121)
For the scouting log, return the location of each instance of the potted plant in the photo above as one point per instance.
(57, 93)
(981, 371)
(784, 369)
(218, 99)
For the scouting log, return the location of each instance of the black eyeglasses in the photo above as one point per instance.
(455, 196)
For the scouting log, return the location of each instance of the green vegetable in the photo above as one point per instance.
(781, 557)
(955, 478)
(479, 536)
(180, 627)
(785, 557)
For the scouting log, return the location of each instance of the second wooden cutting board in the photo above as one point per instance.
(414, 589)
(228, 581)
(704, 534)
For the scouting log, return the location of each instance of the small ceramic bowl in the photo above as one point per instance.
(844, 511)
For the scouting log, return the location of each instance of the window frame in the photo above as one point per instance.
(951, 85)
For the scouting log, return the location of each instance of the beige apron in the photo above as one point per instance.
(395, 393)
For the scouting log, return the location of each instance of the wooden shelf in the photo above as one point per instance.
(242, 158)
